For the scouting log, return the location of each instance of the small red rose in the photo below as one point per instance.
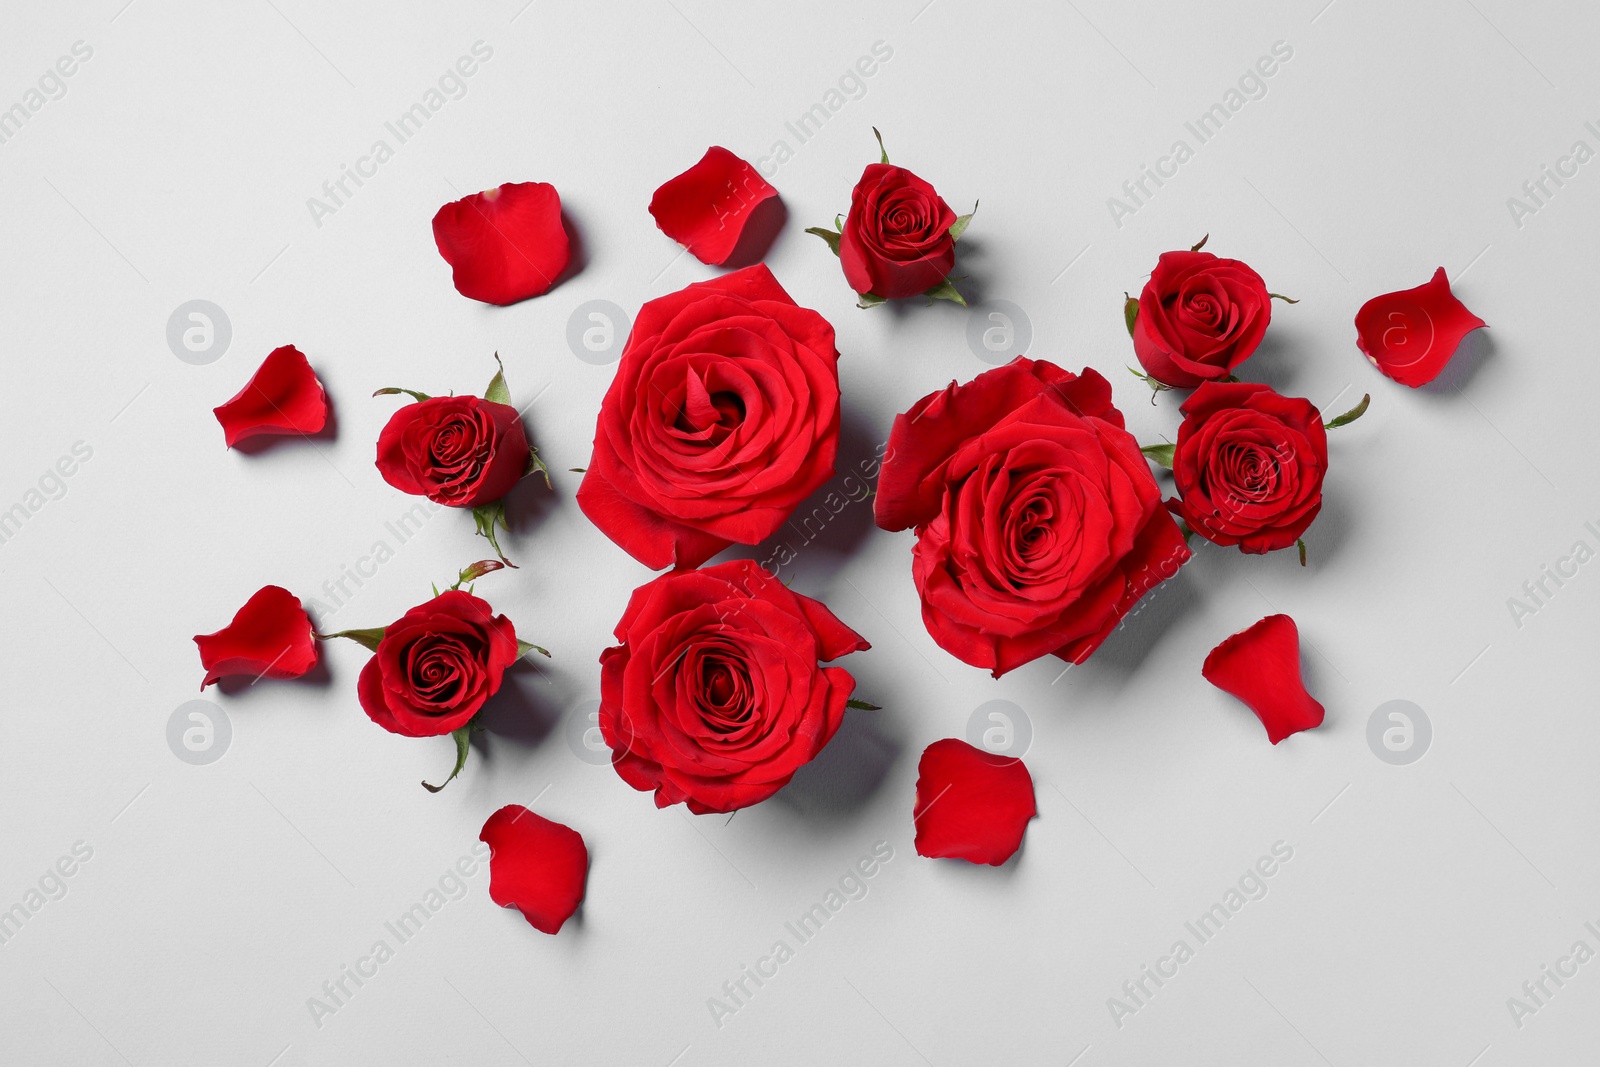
(282, 397)
(1198, 318)
(270, 637)
(1249, 465)
(971, 805)
(1261, 666)
(504, 244)
(714, 698)
(537, 866)
(1411, 335)
(723, 416)
(706, 208)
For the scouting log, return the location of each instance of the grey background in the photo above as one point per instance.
(219, 898)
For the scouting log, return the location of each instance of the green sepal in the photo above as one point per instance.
(1155, 386)
(1202, 243)
(391, 390)
(1350, 416)
(1130, 311)
(827, 235)
(498, 392)
(861, 705)
(1301, 542)
(869, 300)
(579, 470)
(1161, 455)
(537, 464)
(959, 227)
(1285, 299)
(524, 647)
(946, 291)
(463, 739)
(367, 638)
(882, 151)
(473, 572)
(486, 517)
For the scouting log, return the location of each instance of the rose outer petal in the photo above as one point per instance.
(537, 866)
(1410, 335)
(1261, 666)
(705, 208)
(971, 804)
(283, 396)
(269, 637)
(504, 244)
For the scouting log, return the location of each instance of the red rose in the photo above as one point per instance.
(1249, 465)
(270, 637)
(1199, 318)
(283, 396)
(896, 240)
(455, 450)
(436, 665)
(714, 697)
(706, 208)
(723, 416)
(504, 244)
(1411, 335)
(1039, 525)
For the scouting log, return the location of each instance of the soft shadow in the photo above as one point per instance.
(577, 251)
(846, 774)
(1133, 641)
(828, 526)
(1473, 352)
(235, 684)
(761, 230)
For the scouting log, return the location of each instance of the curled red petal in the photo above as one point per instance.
(705, 208)
(504, 244)
(537, 866)
(269, 637)
(282, 396)
(1261, 666)
(971, 804)
(1411, 335)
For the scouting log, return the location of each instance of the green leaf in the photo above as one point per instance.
(838, 223)
(861, 705)
(1350, 416)
(1130, 311)
(869, 300)
(391, 390)
(945, 291)
(1285, 299)
(524, 647)
(1202, 244)
(959, 227)
(486, 517)
(884, 152)
(828, 236)
(1160, 454)
(368, 638)
(537, 464)
(463, 739)
(498, 392)
(1302, 544)
(579, 470)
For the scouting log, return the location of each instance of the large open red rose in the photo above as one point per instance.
(714, 697)
(1039, 525)
(723, 416)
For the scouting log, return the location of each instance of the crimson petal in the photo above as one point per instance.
(537, 866)
(1261, 666)
(705, 208)
(282, 397)
(971, 804)
(1411, 335)
(504, 244)
(269, 637)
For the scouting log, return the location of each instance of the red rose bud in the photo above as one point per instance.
(723, 416)
(504, 244)
(896, 240)
(714, 698)
(270, 637)
(435, 667)
(454, 450)
(971, 805)
(537, 866)
(1261, 666)
(1249, 465)
(282, 397)
(1411, 335)
(1199, 317)
(707, 207)
(1039, 525)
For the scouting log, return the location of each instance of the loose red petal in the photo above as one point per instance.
(537, 866)
(1411, 335)
(971, 804)
(283, 396)
(269, 637)
(504, 244)
(1261, 666)
(706, 207)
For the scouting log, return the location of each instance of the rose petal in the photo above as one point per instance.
(1410, 335)
(504, 244)
(706, 207)
(537, 866)
(971, 804)
(269, 637)
(1261, 666)
(283, 396)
